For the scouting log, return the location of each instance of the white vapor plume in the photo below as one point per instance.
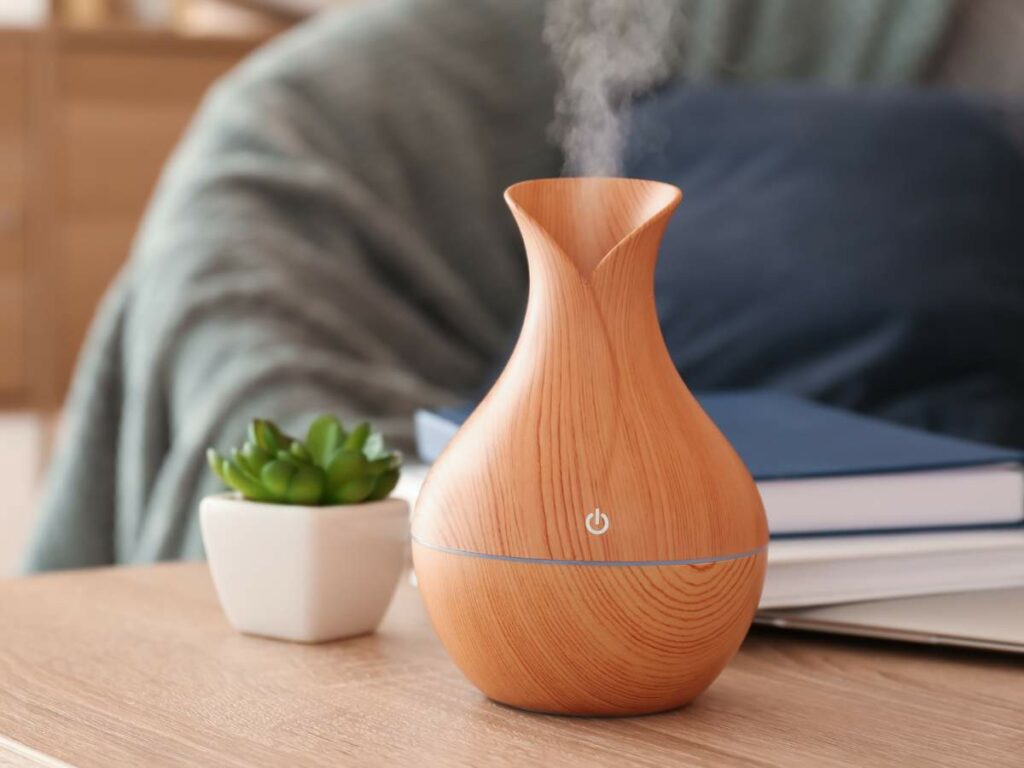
(608, 52)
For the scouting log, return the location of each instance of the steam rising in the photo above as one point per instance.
(608, 51)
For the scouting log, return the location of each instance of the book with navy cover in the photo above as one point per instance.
(824, 470)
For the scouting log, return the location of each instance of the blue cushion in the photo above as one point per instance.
(863, 248)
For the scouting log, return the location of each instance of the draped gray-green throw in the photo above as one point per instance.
(330, 236)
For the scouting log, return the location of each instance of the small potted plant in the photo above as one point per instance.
(309, 546)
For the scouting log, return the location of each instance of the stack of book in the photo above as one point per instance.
(858, 508)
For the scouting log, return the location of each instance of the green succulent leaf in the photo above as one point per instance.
(243, 482)
(267, 436)
(384, 485)
(331, 466)
(355, 490)
(255, 456)
(215, 460)
(324, 438)
(240, 461)
(378, 466)
(346, 465)
(276, 477)
(307, 485)
(298, 450)
(288, 456)
(356, 440)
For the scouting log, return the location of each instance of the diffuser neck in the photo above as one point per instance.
(588, 222)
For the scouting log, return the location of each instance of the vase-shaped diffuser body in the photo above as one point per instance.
(589, 542)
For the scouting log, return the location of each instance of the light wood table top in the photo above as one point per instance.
(139, 667)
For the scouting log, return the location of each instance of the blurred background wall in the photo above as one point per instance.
(94, 94)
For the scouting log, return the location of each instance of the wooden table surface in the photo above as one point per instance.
(139, 667)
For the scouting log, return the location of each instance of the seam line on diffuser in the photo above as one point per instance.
(600, 563)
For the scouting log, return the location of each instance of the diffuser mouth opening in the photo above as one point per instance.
(589, 217)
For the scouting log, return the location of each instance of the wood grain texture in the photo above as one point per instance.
(590, 640)
(139, 667)
(15, 755)
(14, 92)
(590, 414)
(590, 411)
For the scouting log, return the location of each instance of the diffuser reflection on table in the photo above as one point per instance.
(589, 543)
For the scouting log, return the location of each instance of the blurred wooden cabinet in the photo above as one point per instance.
(86, 123)
(13, 201)
(119, 109)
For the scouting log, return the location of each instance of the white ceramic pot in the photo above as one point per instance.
(308, 574)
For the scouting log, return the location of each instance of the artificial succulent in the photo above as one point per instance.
(331, 466)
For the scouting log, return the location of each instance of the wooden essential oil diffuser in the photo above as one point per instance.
(589, 543)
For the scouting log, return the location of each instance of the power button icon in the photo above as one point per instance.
(597, 522)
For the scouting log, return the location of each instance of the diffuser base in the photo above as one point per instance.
(576, 639)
